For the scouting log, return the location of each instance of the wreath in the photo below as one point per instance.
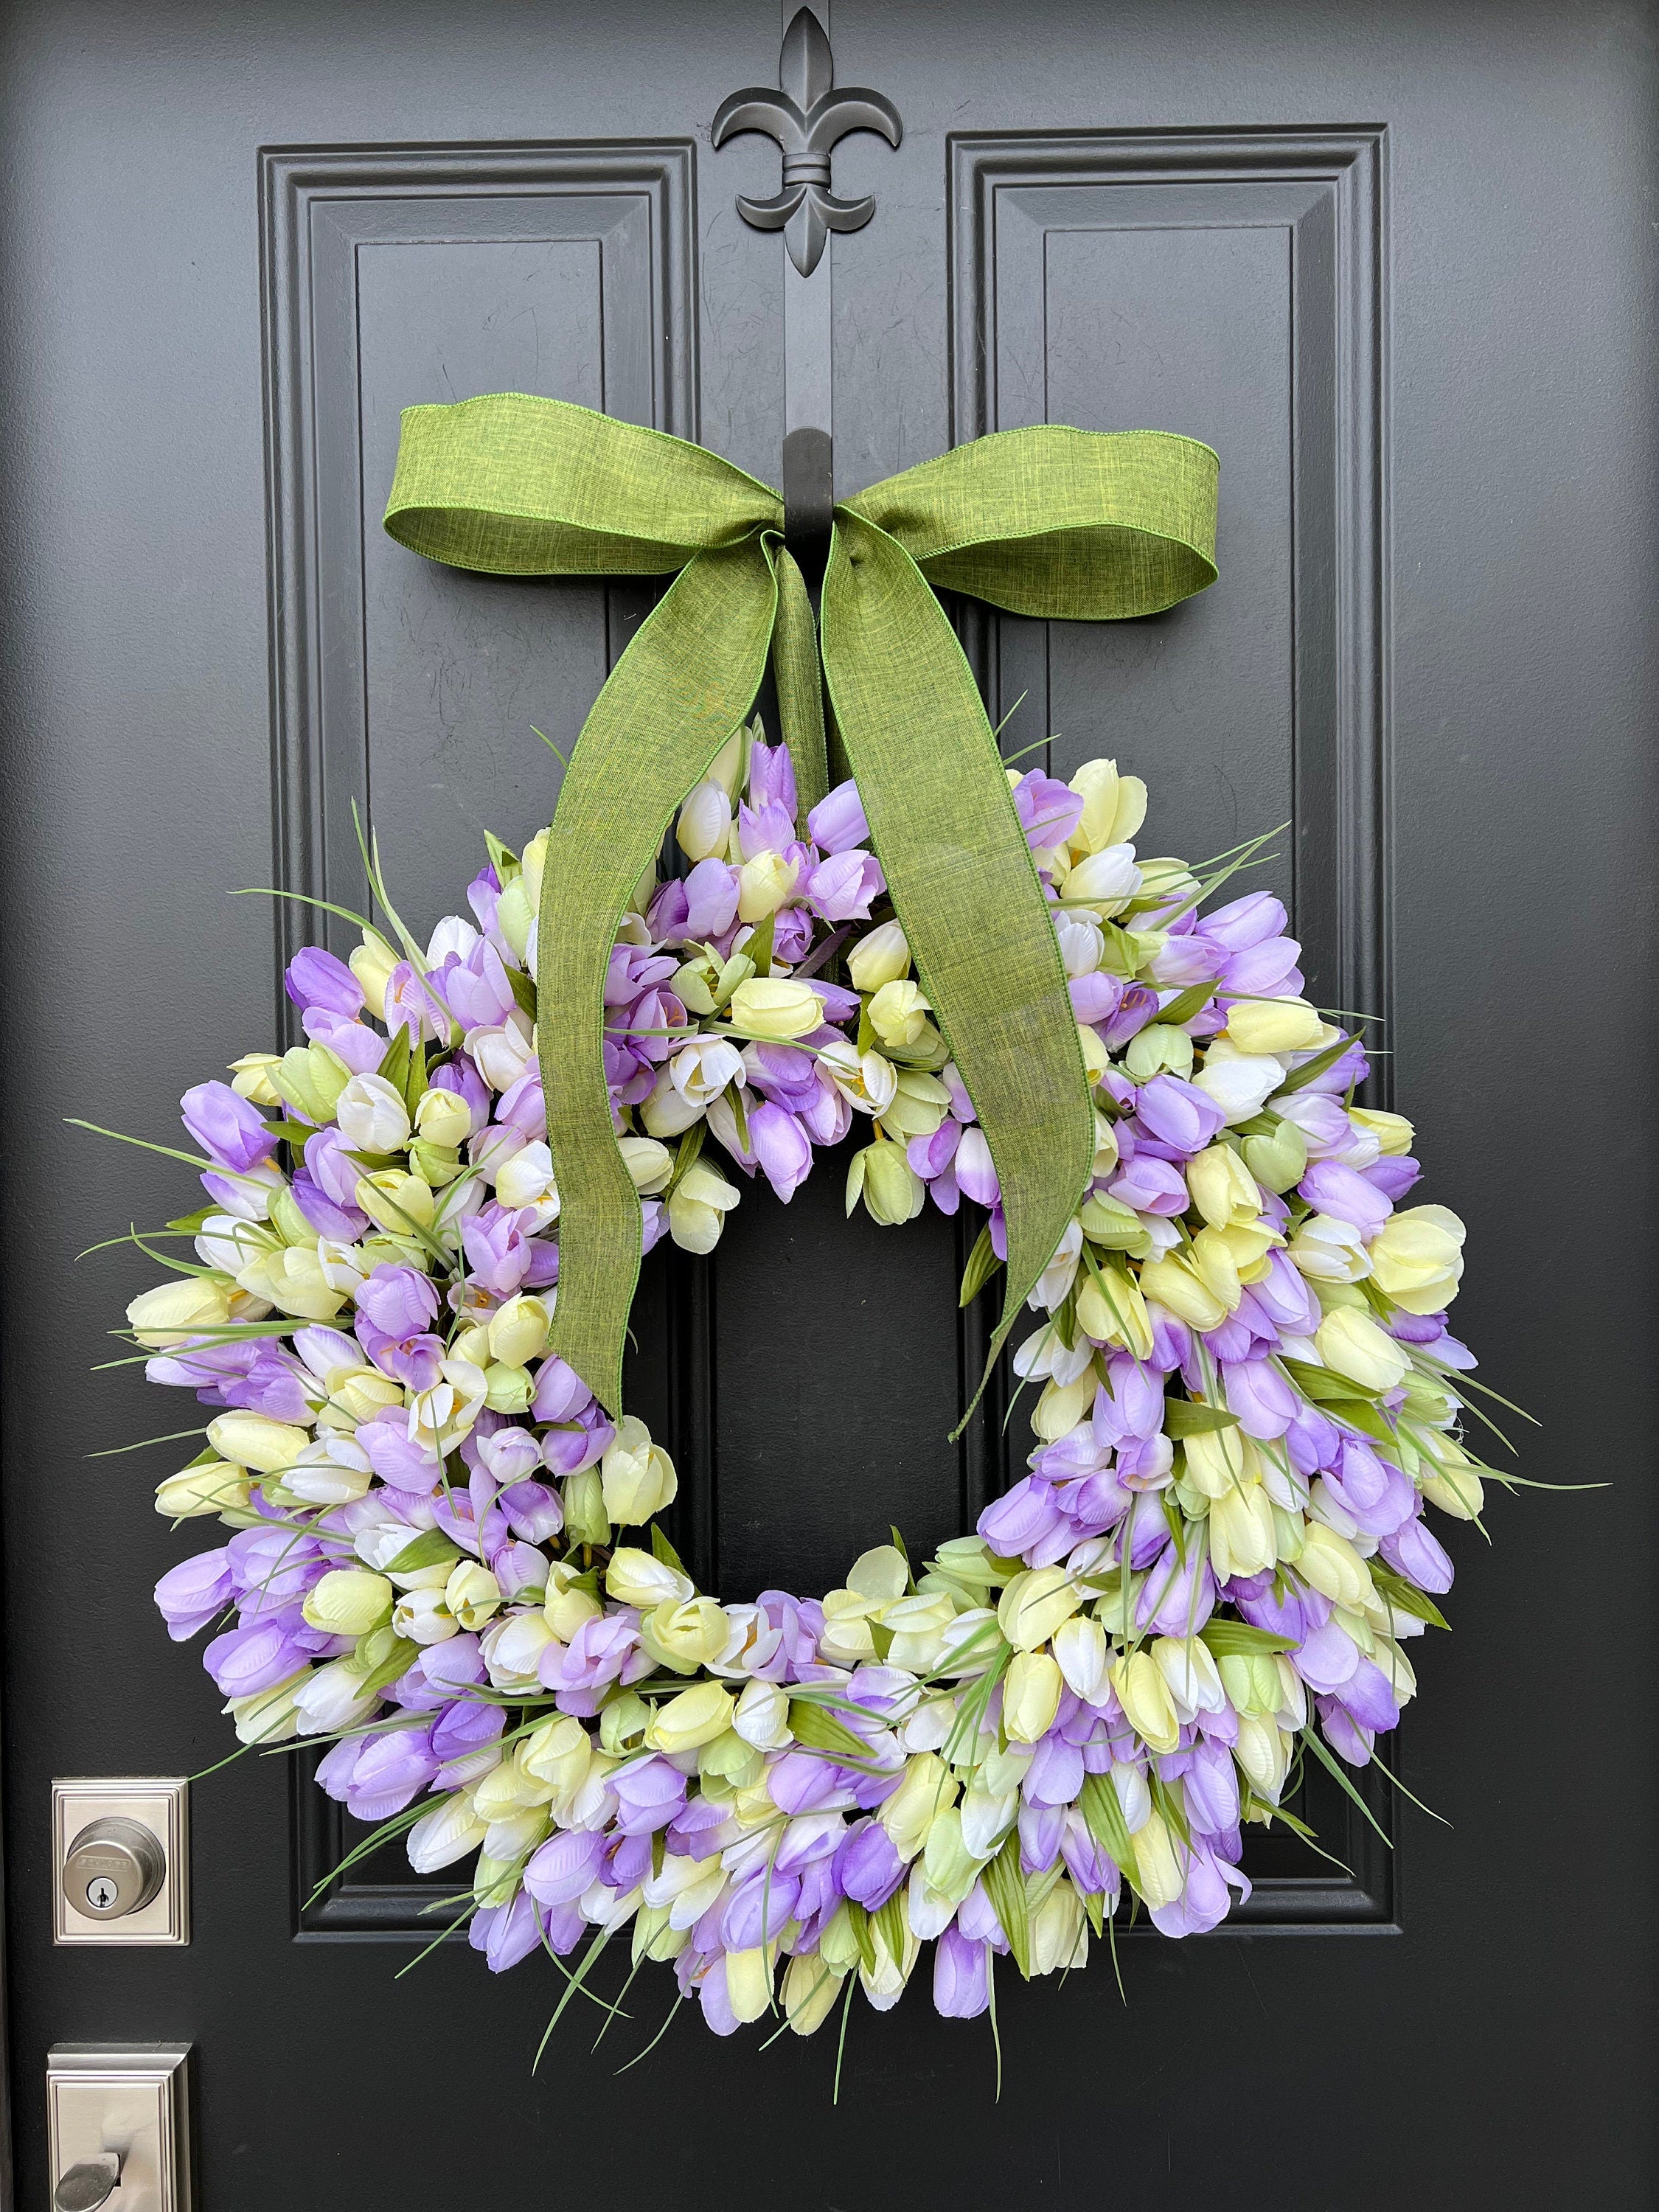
(445, 1558)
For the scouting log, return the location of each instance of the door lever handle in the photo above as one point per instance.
(89, 2184)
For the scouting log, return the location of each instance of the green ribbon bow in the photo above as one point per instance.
(1048, 521)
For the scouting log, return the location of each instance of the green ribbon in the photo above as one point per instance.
(1048, 522)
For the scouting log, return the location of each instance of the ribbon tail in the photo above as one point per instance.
(964, 885)
(688, 678)
(800, 683)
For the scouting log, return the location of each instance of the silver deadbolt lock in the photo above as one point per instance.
(121, 1850)
(113, 1867)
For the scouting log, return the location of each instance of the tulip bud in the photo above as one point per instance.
(507, 1389)
(705, 822)
(584, 1519)
(638, 1476)
(250, 1078)
(518, 1328)
(1059, 1932)
(1083, 1656)
(919, 1104)
(1417, 1257)
(1158, 1876)
(774, 1006)
(1106, 880)
(648, 1162)
(635, 1577)
(372, 962)
(1114, 805)
(1034, 1605)
(881, 956)
(1063, 1404)
(255, 1440)
(446, 1833)
(882, 1176)
(558, 1753)
(269, 1715)
(214, 1487)
(1274, 1025)
(373, 1115)
(1030, 1696)
(569, 1602)
(763, 1716)
(764, 884)
(686, 1635)
(443, 1118)
(349, 1602)
(697, 1207)
(1332, 1565)
(898, 1014)
(1144, 1697)
(1393, 1132)
(293, 1279)
(1244, 1533)
(1158, 1049)
(925, 1792)
(471, 1594)
(1278, 1160)
(1352, 1343)
(1263, 1752)
(1223, 1188)
(1175, 1284)
(811, 1991)
(310, 1079)
(400, 1204)
(696, 1717)
(173, 1313)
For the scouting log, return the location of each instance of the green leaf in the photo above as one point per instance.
(818, 1731)
(1319, 1385)
(860, 1922)
(1405, 1595)
(1237, 1639)
(982, 1264)
(892, 1926)
(191, 1225)
(1190, 1416)
(430, 1549)
(1005, 1886)
(663, 1550)
(1193, 1000)
(523, 991)
(882, 1637)
(759, 947)
(414, 1083)
(1106, 1823)
(739, 1111)
(394, 1062)
(1312, 1068)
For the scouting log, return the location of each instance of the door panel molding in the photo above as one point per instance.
(632, 204)
(1283, 236)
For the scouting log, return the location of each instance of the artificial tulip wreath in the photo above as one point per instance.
(407, 1317)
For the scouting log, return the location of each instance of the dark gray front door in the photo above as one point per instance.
(1395, 266)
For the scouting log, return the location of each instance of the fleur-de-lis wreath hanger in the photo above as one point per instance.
(807, 117)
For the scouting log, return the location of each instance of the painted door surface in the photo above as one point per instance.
(1395, 266)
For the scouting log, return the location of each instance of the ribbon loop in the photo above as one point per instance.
(1047, 521)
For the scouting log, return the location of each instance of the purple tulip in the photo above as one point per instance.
(248, 1659)
(1095, 998)
(1055, 1774)
(1265, 1403)
(1049, 810)
(316, 978)
(507, 1933)
(1326, 1657)
(227, 1126)
(960, 1976)
(758, 1909)
(772, 779)
(711, 900)
(460, 1076)
(868, 1867)
(476, 990)
(1150, 1185)
(838, 821)
(1330, 1187)
(1022, 1516)
(1411, 1550)
(651, 1794)
(1393, 1175)
(1203, 1902)
(497, 1252)
(564, 1866)
(190, 1595)
(390, 1770)
(1246, 921)
(1268, 970)
(840, 888)
(1177, 1112)
(1346, 1736)
(782, 1148)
